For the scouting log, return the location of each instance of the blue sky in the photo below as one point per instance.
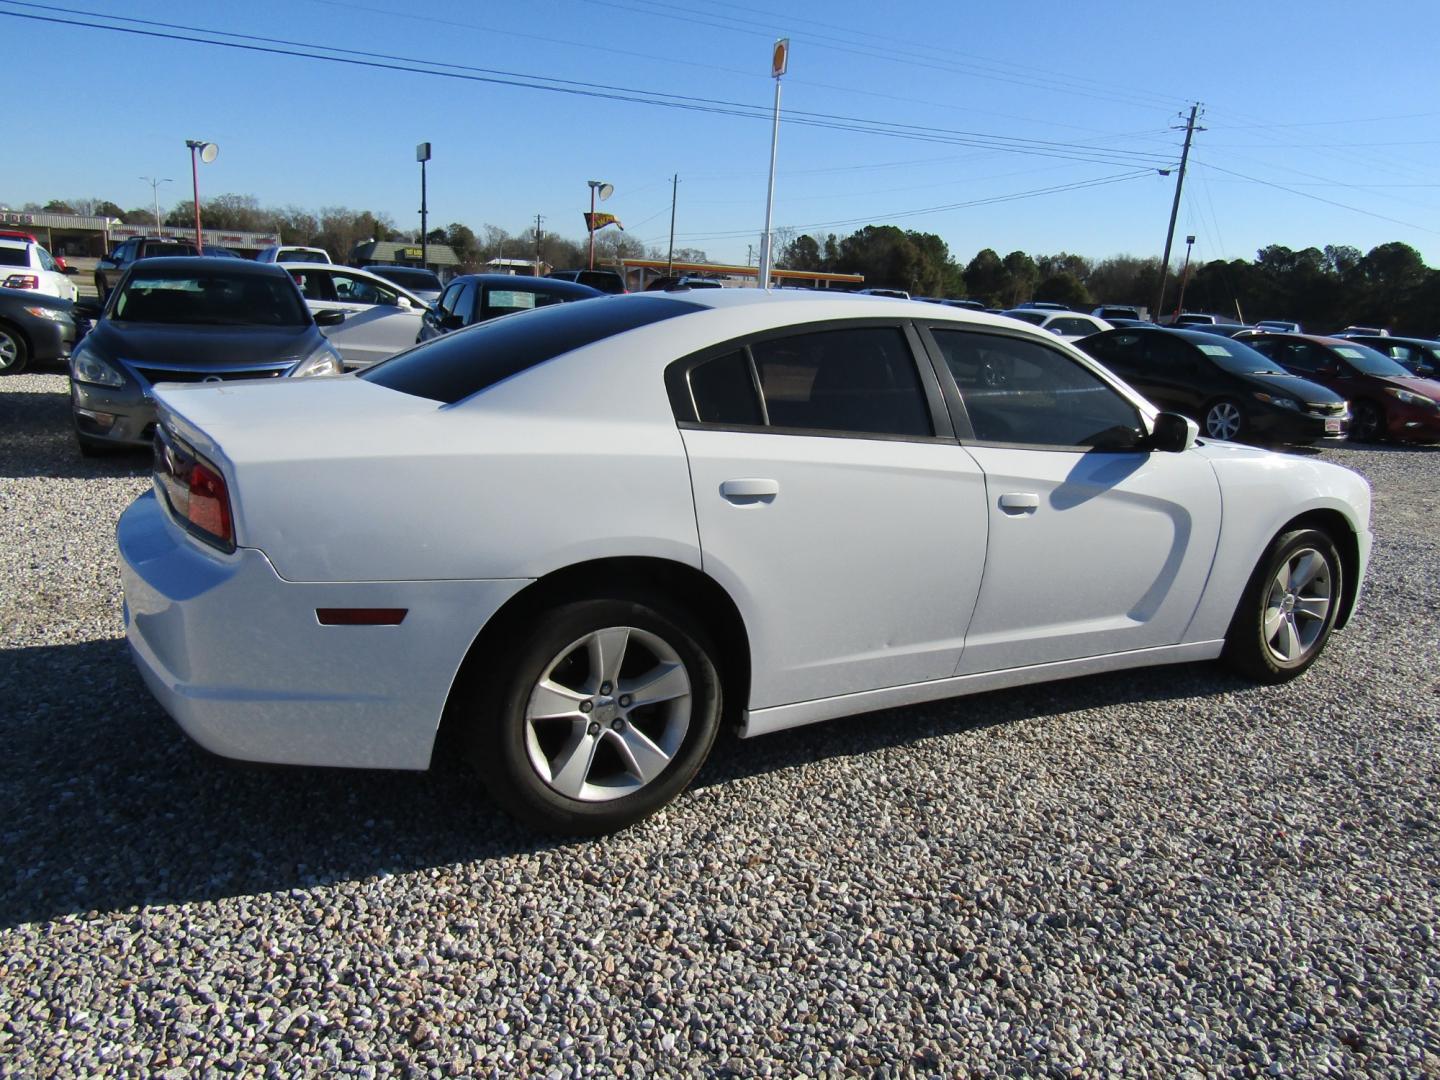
(1334, 103)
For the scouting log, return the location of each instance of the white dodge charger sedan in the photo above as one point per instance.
(574, 540)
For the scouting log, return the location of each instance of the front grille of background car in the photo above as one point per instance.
(159, 375)
(1326, 408)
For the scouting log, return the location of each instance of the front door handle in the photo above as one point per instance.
(746, 490)
(1019, 502)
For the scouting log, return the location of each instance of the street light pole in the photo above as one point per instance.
(1184, 275)
(155, 198)
(422, 155)
(206, 152)
(779, 62)
(674, 192)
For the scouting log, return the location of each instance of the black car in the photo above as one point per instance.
(34, 329)
(473, 298)
(189, 320)
(1418, 356)
(607, 281)
(1231, 390)
(110, 269)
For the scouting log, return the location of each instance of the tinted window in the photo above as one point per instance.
(447, 300)
(723, 391)
(412, 278)
(861, 380)
(196, 298)
(1123, 352)
(313, 284)
(1018, 391)
(1036, 317)
(1072, 326)
(454, 366)
(14, 257)
(353, 289)
(462, 303)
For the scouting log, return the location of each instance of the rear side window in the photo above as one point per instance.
(454, 366)
(858, 380)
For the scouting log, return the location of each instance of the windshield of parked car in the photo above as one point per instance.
(209, 298)
(1036, 317)
(1239, 359)
(1363, 358)
(410, 279)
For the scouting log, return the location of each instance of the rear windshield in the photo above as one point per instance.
(154, 250)
(410, 279)
(451, 368)
(14, 257)
(206, 298)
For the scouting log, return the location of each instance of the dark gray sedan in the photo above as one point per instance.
(34, 329)
(188, 320)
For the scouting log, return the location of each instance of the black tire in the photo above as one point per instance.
(1267, 657)
(100, 289)
(1367, 422)
(14, 351)
(1217, 416)
(499, 735)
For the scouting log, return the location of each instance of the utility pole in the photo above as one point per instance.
(674, 192)
(1190, 130)
(422, 155)
(155, 196)
(749, 254)
(538, 219)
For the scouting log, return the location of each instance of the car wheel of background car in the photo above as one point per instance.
(14, 352)
(1288, 609)
(1367, 423)
(1223, 420)
(598, 717)
(100, 289)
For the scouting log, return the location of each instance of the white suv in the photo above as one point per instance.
(285, 253)
(24, 265)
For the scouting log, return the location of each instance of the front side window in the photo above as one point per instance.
(351, 289)
(1019, 391)
(1117, 351)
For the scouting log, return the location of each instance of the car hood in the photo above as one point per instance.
(1310, 392)
(202, 346)
(1416, 385)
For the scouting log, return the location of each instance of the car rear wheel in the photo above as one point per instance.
(1368, 422)
(14, 352)
(598, 717)
(1288, 609)
(1223, 420)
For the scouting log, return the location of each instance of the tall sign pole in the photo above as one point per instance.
(206, 152)
(422, 155)
(779, 62)
(1190, 130)
(670, 259)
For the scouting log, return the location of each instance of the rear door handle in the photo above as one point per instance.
(1019, 502)
(745, 490)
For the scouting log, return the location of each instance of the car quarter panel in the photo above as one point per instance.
(1262, 492)
(206, 631)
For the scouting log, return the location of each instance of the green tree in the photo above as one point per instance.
(1023, 276)
(803, 253)
(1065, 288)
(986, 279)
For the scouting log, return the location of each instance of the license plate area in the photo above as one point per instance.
(1332, 427)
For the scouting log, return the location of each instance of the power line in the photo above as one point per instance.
(1318, 198)
(385, 61)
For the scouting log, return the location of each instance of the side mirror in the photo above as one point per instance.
(403, 302)
(1172, 433)
(330, 317)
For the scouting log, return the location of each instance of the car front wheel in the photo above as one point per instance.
(14, 353)
(1288, 609)
(1367, 423)
(598, 717)
(1223, 420)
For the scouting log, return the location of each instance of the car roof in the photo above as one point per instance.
(10, 242)
(243, 267)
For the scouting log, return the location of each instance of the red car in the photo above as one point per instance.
(1386, 401)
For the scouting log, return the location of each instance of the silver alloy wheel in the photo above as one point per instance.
(1222, 421)
(608, 714)
(1297, 605)
(9, 351)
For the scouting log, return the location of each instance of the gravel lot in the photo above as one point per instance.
(1169, 873)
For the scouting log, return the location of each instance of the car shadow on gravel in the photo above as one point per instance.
(106, 805)
(38, 439)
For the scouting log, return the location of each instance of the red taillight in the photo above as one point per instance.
(209, 506)
(195, 490)
(22, 281)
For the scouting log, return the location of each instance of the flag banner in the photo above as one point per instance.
(597, 221)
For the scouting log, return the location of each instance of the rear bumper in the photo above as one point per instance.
(238, 657)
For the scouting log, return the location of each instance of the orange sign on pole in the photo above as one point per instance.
(780, 58)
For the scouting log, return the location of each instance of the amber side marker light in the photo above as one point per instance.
(361, 616)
